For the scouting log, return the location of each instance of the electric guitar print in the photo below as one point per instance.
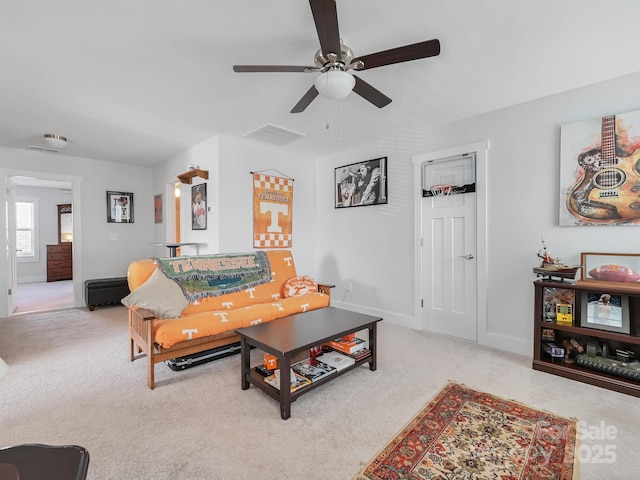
(608, 188)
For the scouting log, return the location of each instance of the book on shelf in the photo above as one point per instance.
(297, 381)
(313, 372)
(347, 346)
(336, 359)
(360, 354)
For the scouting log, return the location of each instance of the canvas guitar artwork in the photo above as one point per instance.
(607, 185)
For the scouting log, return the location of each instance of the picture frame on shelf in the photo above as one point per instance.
(361, 184)
(553, 296)
(119, 207)
(610, 267)
(606, 311)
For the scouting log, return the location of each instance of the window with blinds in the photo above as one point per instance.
(26, 229)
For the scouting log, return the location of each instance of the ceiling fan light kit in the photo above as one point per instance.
(335, 84)
(335, 61)
(54, 141)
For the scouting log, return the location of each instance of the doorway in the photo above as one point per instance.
(27, 275)
(450, 245)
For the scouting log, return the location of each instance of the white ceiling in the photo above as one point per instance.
(139, 81)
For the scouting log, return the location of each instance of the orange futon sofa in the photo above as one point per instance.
(171, 331)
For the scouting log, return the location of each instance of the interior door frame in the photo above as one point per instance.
(481, 150)
(12, 253)
(77, 233)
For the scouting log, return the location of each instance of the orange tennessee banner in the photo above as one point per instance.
(272, 211)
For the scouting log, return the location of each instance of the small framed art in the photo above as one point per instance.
(119, 207)
(605, 311)
(199, 207)
(361, 184)
(157, 208)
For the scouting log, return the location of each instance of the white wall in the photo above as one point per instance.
(238, 158)
(372, 246)
(99, 255)
(369, 247)
(230, 162)
(205, 155)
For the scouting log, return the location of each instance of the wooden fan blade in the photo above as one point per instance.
(430, 48)
(325, 16)
(269, 68)
(370, 94)
(305, 100)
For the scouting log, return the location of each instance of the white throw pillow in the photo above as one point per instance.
(162, 296)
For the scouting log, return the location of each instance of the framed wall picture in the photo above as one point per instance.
(119, 207)
(157, 208)
(605, 311)
(199, 207)
(360, 184)
(598, 171)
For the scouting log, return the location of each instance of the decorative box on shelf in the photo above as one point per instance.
(621, 270)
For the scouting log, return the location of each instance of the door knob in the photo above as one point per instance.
(468, 257)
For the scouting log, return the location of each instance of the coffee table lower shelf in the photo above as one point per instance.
(287, 337)
(258, 380)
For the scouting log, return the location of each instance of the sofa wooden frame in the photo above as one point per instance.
(141, 336)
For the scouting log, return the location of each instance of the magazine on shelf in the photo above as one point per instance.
(313, 372)
(347, 346)
(336, 359)
(297, 381)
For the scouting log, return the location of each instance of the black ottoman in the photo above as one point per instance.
(105, 291)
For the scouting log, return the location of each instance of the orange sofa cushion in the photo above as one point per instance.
(214, 315)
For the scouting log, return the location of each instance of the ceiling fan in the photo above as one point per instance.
(335, 61)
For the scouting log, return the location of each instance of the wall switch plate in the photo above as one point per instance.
(113, 236)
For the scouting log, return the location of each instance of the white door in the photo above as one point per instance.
(12, 266)
(449, 250)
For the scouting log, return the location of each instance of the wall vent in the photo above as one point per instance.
(43, 149)
(274, 134)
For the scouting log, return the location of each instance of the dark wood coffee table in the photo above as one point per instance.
(286, 337)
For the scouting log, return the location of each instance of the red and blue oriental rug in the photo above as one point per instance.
(463, 434)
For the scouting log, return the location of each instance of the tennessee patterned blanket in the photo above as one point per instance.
(203, 276)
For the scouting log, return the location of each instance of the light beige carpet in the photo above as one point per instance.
(71, 382)
(32, 297)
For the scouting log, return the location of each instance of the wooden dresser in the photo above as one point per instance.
(59, 262)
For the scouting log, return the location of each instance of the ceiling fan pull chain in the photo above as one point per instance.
(327, 102)
(338, 135)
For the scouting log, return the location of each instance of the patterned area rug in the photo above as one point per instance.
(463, 434)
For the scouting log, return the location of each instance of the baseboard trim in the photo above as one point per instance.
(32, 279)
(507, 343)
(391, 317)
(488, 339)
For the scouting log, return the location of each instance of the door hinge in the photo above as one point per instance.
(9, 292)
(421, 303)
